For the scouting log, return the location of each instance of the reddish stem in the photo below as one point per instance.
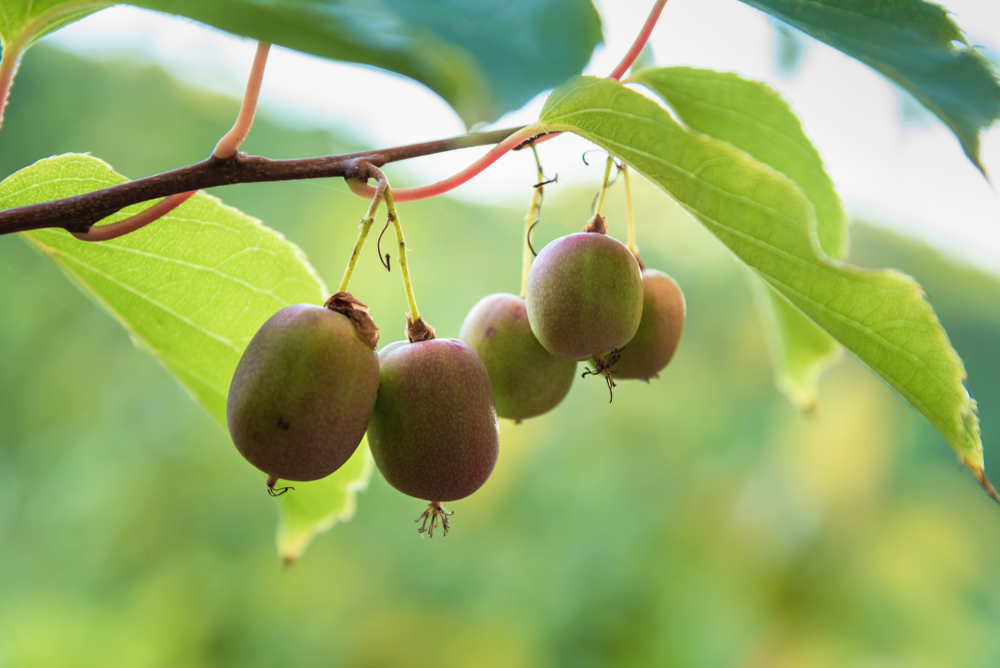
(422, 192)
(640, 41)
(8, 68)
(230, 143)
(133, 223)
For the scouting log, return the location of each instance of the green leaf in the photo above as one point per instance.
(24, 21)
(485, 57)
(915, 44)
(193, 288)
(316, 506)
(800, 351)
(767, 222)
(752, 116)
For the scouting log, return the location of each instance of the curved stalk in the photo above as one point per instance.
(628, 212)
(530, 219)
(401, 258)
(365, 227)
(604, 185)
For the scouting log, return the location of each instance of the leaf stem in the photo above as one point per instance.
(630, 218)
(230, 142)
(9, 62)
(133, 223)
(365, 227)
(604, 185)
(640, 41)
(530, 220)
(423, 192)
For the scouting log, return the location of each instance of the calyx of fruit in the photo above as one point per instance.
(584, 295)
(527, 379)
(434, 433)
(304, 390)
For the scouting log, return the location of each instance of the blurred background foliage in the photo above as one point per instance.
(698, 520)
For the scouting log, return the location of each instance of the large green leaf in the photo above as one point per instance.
(193, 288)
(752, 116)
(485, 57)
(767, 222)
(915, 44)
(24, 21)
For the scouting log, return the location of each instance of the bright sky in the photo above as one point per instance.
(910, 177)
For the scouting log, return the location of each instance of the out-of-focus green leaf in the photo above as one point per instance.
(800, 351)
(913, 43)
(765, 219)
(316, 506)
(752, 116)
(485, 57)
(193, 288)
(24, 21)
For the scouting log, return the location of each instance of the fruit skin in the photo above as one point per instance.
(527, 379)
(434, 433)
(584, 295)
(302, 393)
(659, 333)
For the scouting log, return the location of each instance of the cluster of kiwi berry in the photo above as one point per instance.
(310, 383)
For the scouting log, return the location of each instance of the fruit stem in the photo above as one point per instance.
(401, 258)
(604, 185)
(628, 212)
(230, 142)
(530, 220)
(365, 227)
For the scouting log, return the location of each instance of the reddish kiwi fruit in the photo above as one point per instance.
(434, 432)
(584, 295)
(527, 379)
(659, 333)
(303, 393)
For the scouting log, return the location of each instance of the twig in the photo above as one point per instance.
(78, 213)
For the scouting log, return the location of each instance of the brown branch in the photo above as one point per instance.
(78, 213)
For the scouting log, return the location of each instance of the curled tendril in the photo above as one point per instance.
(378, 246)
(530, 247)
(584, 155)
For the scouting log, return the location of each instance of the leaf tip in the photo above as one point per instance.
(980, 474)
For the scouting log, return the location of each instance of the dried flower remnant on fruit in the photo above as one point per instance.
(418, 330)
(597, 224)
(434, 514)
(604, 369)
(345, 303)
(279, 491)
